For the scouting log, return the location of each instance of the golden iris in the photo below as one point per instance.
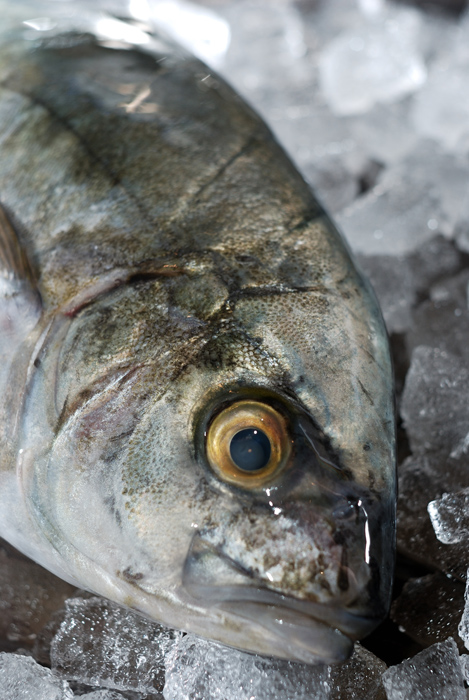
(248, 443)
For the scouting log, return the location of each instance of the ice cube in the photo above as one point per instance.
(464, 661)
(422, 479)
(433, 673)
(28, 596)
(21, 678)
(385, 132)
(429, 608)
(450, 516)
(259, 63)
(442, 322)
(197, 669)
(378, 61)
(100, 643)
(437, 258)
(434, 403)
(359, 678)
(398, 280)
(441, 109)
(412, 202)
(463, 628)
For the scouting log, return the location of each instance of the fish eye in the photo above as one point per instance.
(247, 443)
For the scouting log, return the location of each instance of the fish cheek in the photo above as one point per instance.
(161, 491)
(114, 490)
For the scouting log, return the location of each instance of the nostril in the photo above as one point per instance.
(345, 511)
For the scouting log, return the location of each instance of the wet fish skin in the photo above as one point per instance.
(172, 260)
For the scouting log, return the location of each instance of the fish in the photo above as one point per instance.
(196, 414)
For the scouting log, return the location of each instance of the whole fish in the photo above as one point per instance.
(196, 413)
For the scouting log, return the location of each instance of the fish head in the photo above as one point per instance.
(239, 482)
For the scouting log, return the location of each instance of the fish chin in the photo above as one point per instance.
(302, 630)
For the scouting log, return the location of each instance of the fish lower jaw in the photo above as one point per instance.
(297, 636)
(307, 632)
(274, 623)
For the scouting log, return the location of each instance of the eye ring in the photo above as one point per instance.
(247, 416)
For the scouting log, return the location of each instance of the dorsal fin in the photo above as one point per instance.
(20, 302)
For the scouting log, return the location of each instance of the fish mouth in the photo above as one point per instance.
(298, 629)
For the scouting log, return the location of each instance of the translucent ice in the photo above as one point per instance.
(359, 678)
(258, 62)
(434, 403)
(441, 109)
(379, 61)
(412, 201)
(433, 673)
(450, 516)
(464, 661)
(200, 670)
(422, 479)
(442, 321)
(463, 628)
(429, 608)
(101, 644)
(399, 280)
(385, 132)
(21, 678)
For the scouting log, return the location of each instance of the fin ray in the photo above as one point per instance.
(14, 263)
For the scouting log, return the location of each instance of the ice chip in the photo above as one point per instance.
(422, 479)
(429, 608)
(260, 62)
(433, 673)
(385, 132)
(441, 322)
(379, 61)
(464, 661)
(450, 514)
(441, 109)
(412, 202)
(434, 402)
(359, 678)
(399, 280)
(463, 628)
(21, 678)
(197, 669)
(100, 643)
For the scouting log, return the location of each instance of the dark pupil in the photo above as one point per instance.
(250, 449)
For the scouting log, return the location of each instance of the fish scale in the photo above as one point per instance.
(169, 281)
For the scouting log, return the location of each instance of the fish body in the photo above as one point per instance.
(196, 415)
